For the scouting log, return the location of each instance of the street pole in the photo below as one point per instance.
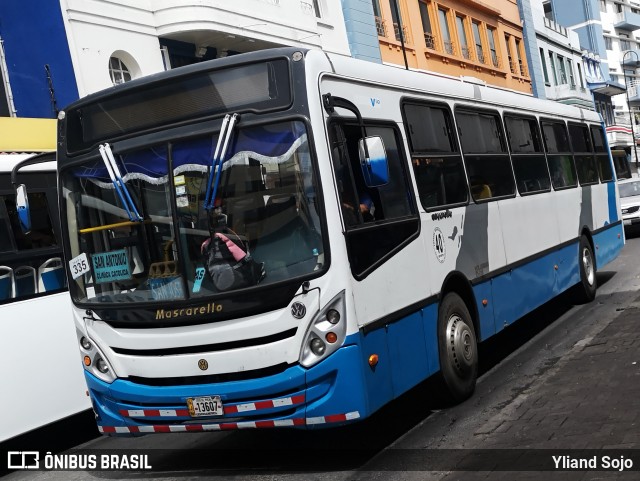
(626, 90)
(400, 29)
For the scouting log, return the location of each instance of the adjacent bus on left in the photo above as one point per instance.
(39, 372)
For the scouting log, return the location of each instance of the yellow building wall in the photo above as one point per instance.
(19, 134)
(431, 52)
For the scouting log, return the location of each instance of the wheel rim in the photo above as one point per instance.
(587, 265)
(461, 345)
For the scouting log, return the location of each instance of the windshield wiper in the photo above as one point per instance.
(118, 183)
(216, 166)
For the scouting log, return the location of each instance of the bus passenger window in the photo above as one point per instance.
(559, 156)
(485, 154)
(436, 160)
(602, 155)
(41, 234)
(583, 154)
(527, 155)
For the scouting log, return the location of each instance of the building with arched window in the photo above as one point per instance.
(72, 48)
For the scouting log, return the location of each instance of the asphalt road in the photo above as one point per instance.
(511, 363)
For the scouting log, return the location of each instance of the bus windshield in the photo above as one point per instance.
(262, 227)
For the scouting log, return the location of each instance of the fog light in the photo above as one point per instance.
(84, 342)
(331, 337)
(318, 347)
(333, 316)
(102, 366)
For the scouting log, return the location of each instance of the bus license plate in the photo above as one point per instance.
(205, 406)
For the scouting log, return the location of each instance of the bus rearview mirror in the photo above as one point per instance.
(373, 160)
(22, 208)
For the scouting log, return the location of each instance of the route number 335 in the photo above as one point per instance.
(79, 265)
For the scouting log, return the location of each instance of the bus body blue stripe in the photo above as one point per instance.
(608, 244)
(533, 284)
(613, 209)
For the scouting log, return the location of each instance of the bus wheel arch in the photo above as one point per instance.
(457, 339)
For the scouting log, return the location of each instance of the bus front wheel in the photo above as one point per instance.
(585, 290)
(458, 350)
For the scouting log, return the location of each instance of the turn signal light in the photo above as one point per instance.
(373, 360)
(87, 361)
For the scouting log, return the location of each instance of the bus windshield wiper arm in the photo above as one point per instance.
(118, 183)
(216, 167)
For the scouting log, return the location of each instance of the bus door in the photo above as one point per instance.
(379, 222)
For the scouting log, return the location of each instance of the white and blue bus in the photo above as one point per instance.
(293, 238)
(39, 373)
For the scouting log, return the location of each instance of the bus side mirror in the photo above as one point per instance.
(22, 208)
(375, 168)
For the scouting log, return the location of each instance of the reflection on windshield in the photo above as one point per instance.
(264, 226)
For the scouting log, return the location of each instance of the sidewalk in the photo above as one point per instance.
(592, 400)
(589, 400)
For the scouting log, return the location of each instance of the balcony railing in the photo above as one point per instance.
(465, 52)
(555, 26)
(381, 27)
(627, 21)
(513, 66)
(405, 36)
(449, 47)
(479, 54)
(430, 41)
(523, 69)
(496, 60)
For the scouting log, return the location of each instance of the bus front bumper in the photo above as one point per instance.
(328, 394)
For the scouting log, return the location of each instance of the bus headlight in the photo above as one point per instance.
(326, 333)
(93, 360)
(102, 365)
(84, 342)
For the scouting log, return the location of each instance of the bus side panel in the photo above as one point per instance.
(430, 320)
(377, 379)
(608, 245)
(487, 322)
(42, 378)
(408, 352)
(568, 272)
(531, 285)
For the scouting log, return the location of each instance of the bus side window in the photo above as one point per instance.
(559, 156)
(527, 154)
(24, 270)
(435, 156)
(602, 155)
(485, 154)
(583, 154)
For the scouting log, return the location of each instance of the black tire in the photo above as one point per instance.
(458, 349)
(585, 290)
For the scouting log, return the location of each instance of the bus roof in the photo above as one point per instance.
(435, 84)
(9, 161)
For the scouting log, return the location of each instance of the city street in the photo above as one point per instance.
(543, 385)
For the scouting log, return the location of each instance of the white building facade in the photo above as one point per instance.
(117, 40)
(621, 29)
(561, 59)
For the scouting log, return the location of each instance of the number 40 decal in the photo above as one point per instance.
(439, 245)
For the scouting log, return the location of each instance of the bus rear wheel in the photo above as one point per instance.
(458, 350)
(585, 290)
